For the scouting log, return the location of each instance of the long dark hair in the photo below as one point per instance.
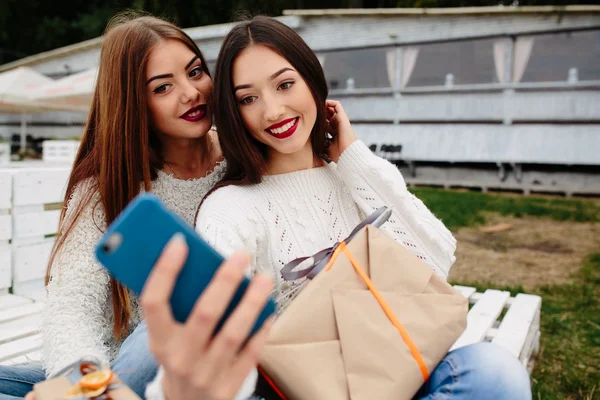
(119, 147)
(247, 157)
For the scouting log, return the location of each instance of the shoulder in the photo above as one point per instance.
(84, 205)
(230, 196)
(231, 203)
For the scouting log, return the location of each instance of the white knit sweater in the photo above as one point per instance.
(297, 214)
(78, 320)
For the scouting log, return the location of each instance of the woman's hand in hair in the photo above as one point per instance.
(197, 365)
(338, 126)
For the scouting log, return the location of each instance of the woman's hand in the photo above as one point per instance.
(338, 126)
(197, 365)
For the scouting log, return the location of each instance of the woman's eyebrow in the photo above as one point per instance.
(275, 75)
(171, 75)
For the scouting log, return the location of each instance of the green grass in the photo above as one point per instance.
(458, 209)
(568, 366)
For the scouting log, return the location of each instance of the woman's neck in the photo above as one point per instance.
(280, 163)
(189, 158)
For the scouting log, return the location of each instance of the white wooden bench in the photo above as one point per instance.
(28, 215)
(517, 330)
(30, 201)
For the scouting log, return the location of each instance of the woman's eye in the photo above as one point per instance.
(162, 88)
(247, 100)
(286, 85)
(196, 72)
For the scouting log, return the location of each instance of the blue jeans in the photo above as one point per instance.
(481, 371)
(135, 365)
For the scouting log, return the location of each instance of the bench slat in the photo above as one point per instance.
(36, 223)
(466, 291)
(39, 185)
(5, 227)
(9, 351)
(36, 356)
(482, 317)
(11, 301)
(19, 312)
(30, 260)
(5, 268)
(20, 328)
(517, 323)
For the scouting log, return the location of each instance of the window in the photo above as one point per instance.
(553, 55)
(368, 68)
(469, 61)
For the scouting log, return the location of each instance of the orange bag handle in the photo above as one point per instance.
(271, 384)
(384, 306)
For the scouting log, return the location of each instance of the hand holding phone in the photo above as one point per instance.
(133, 243)
(198, 366)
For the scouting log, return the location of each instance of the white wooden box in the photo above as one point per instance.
(4, 153)
(62, 151)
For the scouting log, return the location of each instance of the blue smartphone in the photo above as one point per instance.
(134, 241)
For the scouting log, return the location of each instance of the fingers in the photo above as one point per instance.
(30, 396)
(247, 359)
(334, 105)
(335, 113)
(155, 298)
(213, 302)
(238, 326)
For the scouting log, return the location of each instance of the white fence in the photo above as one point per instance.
(30, 203)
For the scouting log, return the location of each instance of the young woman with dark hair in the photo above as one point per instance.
(298, 180)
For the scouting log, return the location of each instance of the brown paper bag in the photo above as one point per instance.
(335, 340)
(57, 388)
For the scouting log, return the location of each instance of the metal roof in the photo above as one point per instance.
(456, 11)
(293, 18)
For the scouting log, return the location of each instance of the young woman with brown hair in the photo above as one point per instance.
(149, 129)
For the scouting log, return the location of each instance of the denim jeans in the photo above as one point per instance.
(481, 371)
(135, 365)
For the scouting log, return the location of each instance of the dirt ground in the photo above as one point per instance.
(533, 252)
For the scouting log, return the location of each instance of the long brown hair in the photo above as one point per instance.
(119, 148)
(246, 157)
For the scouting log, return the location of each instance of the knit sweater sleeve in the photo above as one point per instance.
(374, 182)
(75, 323)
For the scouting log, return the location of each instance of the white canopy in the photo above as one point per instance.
(73, 93)
(16, 87)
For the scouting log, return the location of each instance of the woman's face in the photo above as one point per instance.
(179, 91)
(275, 102)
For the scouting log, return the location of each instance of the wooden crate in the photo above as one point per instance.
(517, 329)
(30, 201)
(59, 151)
